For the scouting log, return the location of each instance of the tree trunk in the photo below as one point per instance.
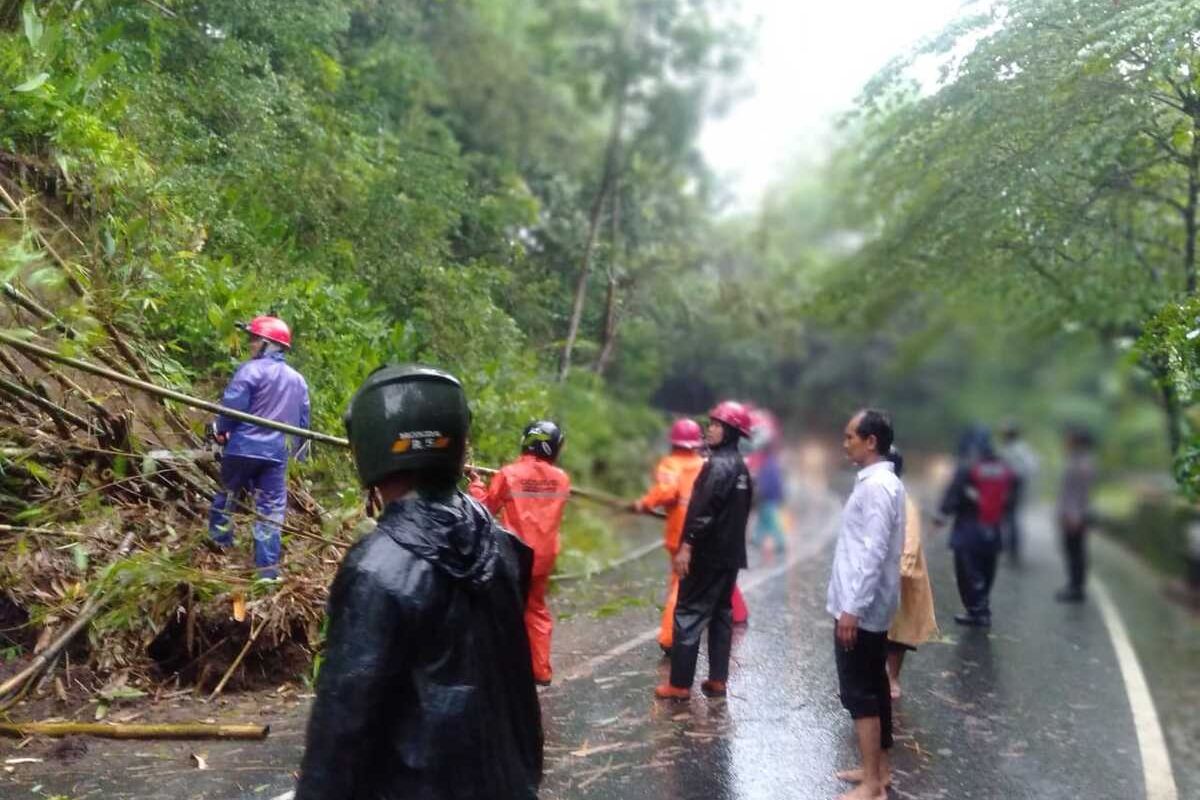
(607, 177)
(1189, 214)
(608, 339)
(1171, 408)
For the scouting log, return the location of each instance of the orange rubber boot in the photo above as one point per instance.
(665, 691)
(713, 688)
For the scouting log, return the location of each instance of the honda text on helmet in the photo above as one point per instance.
(542, 438)
(272, 329)
(686, 433)
(408, 417)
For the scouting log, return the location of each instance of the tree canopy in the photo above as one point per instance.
(1046, 181)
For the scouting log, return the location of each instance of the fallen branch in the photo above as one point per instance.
(59, 415)
(16, 686)
(237, 661)
(103, 730)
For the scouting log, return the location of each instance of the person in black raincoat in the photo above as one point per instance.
(713, 550)
(980, 497)
(426, 690)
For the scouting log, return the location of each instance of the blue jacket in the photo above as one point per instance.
(768, 484)
(265, 387)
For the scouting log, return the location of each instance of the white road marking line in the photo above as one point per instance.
(285, 796)
(752, 582)
(1156, 760)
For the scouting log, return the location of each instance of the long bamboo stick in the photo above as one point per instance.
(103, 730)
(60, 415)
(18, 343)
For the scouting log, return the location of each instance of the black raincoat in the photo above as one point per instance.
(426, 691)
(715, 526)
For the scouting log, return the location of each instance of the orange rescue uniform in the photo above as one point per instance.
(673, 480)
(529, 497)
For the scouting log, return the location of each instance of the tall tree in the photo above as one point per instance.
(663, 61)
(1052, 172)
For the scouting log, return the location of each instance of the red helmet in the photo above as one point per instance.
(272, 329)
(733, 414)
(686, 433)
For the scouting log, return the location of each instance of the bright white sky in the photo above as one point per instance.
(812, 58)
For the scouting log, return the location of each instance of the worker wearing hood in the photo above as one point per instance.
(426, 689)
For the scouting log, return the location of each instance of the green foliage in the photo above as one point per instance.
(1152, 524)
(1165, 343)
(398, 181)
(1040, 189)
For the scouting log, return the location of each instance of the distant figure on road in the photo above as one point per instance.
(1075, 511)
(864, 592)
(979, 497)
(769, 488)
(426, 690)
(713, 550)
(1023, 461)
(915, 621)
(255, 458)
(530, 496)
(674, 478)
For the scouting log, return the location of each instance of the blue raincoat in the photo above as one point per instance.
(255, 459)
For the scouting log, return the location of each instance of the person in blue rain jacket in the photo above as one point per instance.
(255, 458)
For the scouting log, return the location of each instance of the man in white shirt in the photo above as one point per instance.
(1022, 459)
(864, 592)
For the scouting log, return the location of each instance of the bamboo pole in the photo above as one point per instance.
(18, 343)
(29, 348)
(105, 730)
(61, 416)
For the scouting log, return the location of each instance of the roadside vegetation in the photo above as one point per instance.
(512, 190)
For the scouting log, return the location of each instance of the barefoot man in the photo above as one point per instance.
(864, 592)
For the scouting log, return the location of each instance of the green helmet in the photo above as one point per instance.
(408, 418)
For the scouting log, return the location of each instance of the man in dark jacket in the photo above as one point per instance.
(980, 497)
(713, 550)
(426, 690)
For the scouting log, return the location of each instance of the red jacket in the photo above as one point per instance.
(529, 495)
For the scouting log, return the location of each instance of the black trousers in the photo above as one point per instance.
(863, 680)
(1075, 551)
(975, 571)
(705, 601)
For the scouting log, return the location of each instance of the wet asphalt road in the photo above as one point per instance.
(1034, 709)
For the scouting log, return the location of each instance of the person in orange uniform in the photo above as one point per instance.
(673, 479)
(530, 495)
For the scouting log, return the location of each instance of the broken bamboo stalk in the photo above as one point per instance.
(60, 416)
(48, 317)
(20, 682)
(237, 661)
(111, 730)
(38, 388)
(18, 343)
